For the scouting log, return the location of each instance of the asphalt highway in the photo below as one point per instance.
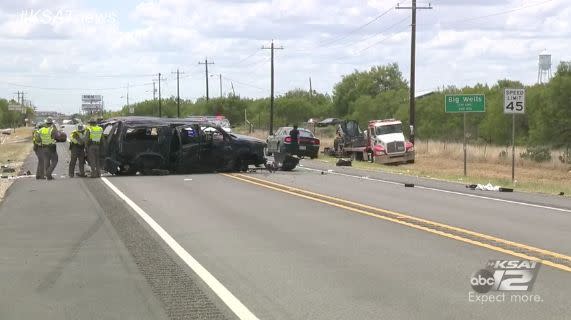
(307, 244)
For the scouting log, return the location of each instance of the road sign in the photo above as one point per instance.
(15, 107)
(465, 103)
(131, 110)
(514, 103)
(514, 100)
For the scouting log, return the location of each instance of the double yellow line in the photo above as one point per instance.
(546, 257)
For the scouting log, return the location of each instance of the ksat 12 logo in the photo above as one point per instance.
(505, 275)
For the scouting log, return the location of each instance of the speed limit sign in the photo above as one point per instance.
(514, 101)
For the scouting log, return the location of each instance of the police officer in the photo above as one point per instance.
(49, 152)
(36, 138)
(77, 149)
(93, 134)
(294, 135)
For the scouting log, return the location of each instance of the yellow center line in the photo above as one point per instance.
(313, 196)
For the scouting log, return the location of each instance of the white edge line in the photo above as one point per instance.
(447, 191)
(224, 294)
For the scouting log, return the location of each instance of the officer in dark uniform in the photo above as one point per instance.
(294, 135)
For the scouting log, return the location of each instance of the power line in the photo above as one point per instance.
(67, 89)
(361, 27)
(387, 37)
(243, 59)
(244, 83)
(381, 32)
(468, 19)
(82, 75)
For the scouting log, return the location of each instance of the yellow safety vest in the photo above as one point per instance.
(80, 135)
(46, 136)
(36, 137)
(95, 133)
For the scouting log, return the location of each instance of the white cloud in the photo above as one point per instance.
(458, 42)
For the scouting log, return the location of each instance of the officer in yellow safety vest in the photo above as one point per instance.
(77, 149)
(94, 133)
(38, 151)
(49, 152)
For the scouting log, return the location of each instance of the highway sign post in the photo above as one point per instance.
(456, 103)
(514, 103)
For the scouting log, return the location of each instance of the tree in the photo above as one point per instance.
(373, 82)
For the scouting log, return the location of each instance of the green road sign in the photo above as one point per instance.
(465, 103)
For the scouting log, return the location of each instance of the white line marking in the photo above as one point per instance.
(447, 191)
(187, 179)
(224, 294)
(353, 176)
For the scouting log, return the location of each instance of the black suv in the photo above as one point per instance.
(147, 145)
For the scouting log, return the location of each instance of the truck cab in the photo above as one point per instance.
(386, 142)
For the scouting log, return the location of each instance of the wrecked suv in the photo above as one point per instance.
(150, 145)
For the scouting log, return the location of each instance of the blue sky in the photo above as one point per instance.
(101, 47)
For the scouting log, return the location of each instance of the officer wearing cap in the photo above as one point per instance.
(37, 140)
(94, 133)
(77, 149)
(48, 147)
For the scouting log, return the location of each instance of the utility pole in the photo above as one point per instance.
(154, 91)
(412, 121)
(206, 63)
(310, 88)
(272, 48)
(160, 102)
(233, 92)
(178, 93)
(220, 75)
(20, 97)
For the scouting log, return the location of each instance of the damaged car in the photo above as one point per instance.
(155, 145)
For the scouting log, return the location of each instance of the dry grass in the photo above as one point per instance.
(444, 160)
(13, 151)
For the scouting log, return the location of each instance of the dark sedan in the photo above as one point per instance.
(281, 142)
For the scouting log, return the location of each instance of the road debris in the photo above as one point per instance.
(488, 187)
(343, 163)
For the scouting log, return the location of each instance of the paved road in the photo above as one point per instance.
(74, 249)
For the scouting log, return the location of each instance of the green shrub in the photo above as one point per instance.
(537, 154)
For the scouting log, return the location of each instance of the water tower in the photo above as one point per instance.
(544, 67)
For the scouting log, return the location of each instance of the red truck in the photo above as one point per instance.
(382, 142)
